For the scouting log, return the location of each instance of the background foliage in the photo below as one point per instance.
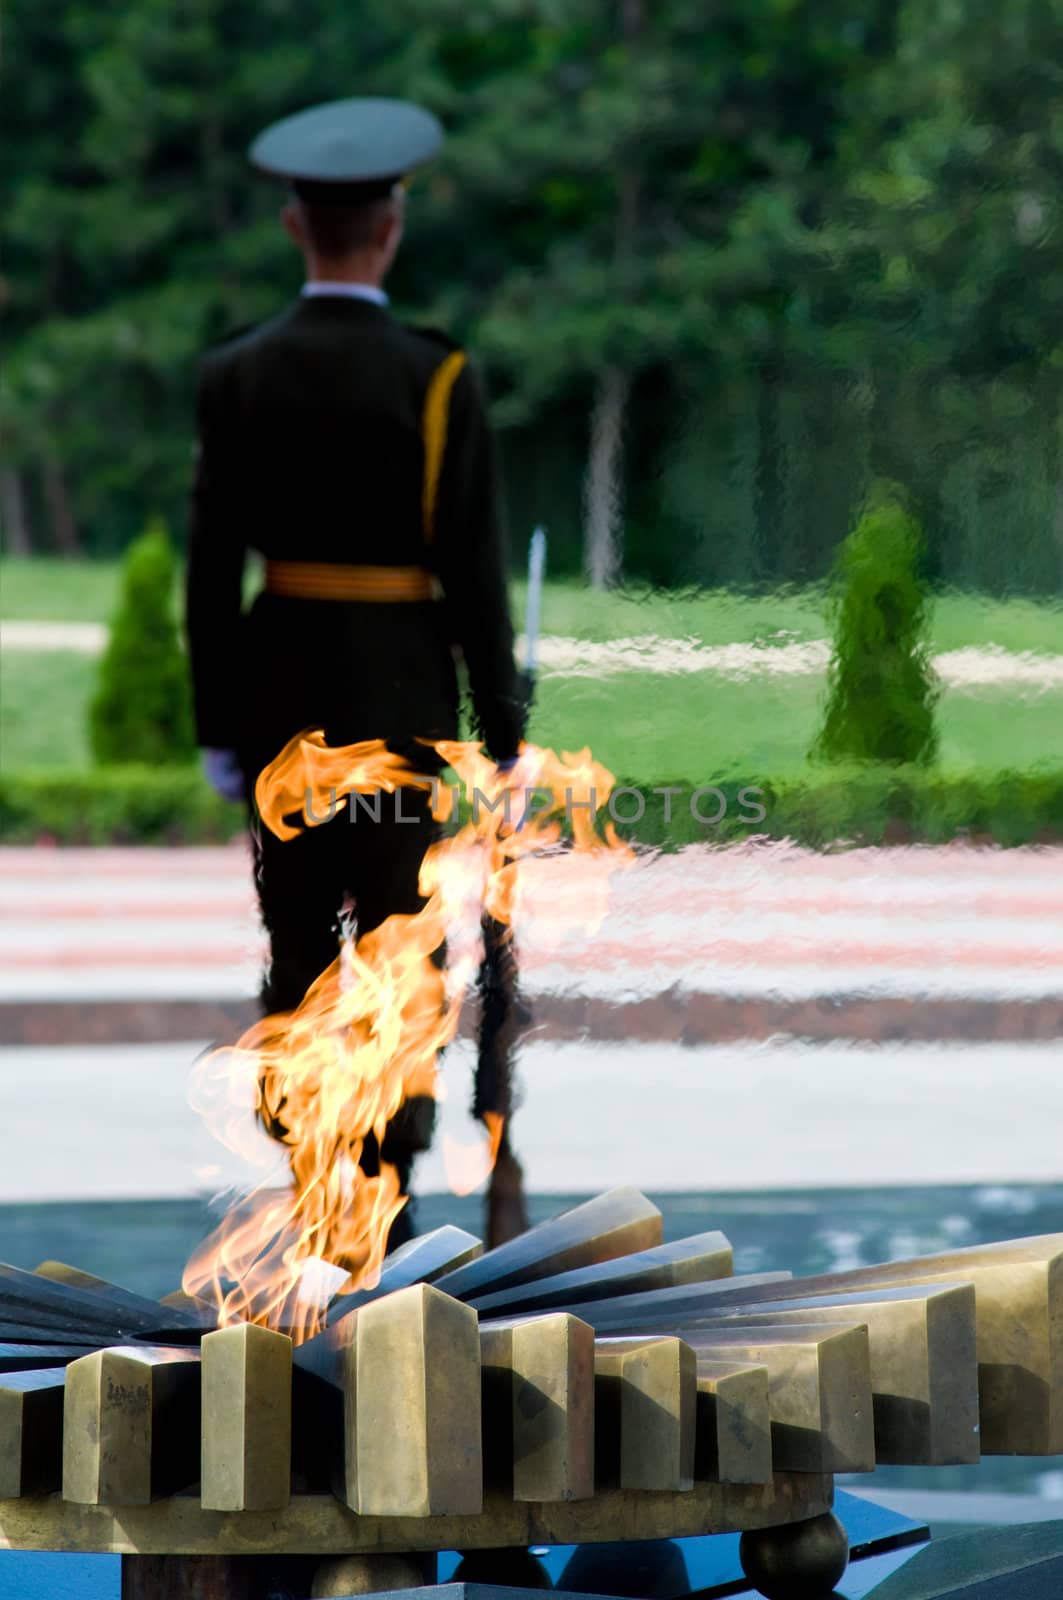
(724, 268)
(142, 708)
(867, 804)
(881, 693)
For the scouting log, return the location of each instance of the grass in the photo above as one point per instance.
(44, 700)
(47, 589)
(784, 615)
(704, 729)
(694, 728)
(653, 728)
(51, 590)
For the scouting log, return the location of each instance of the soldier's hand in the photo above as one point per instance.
(224, 774)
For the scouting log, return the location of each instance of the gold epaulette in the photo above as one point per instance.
(434, 433)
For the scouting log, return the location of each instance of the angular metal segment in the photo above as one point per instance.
(924, 1371)
(31, 1433)
(23, 1335)
(201, 1312)
(182, 1311)
(1019, 1322)
(1019, 1331)
(733, 1442)
(819, 1389)
(25, 1296)
(130, 1425)
(538, 1408)
(698, 1259)
(645, 1404)
(61, 1272)
(20, 1357)
(412, 1444)
(662, 1310)
(421, 1260)
(610, 1225)
(246, 1451)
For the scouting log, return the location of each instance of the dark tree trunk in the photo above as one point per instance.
(14, 525)
(770, 486)
(604, 478)
(64, 528)
(604, 485)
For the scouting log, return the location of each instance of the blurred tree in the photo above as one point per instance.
(142, 709)
(136, 235)
(647, 173)
(937, 281)
(712, 258)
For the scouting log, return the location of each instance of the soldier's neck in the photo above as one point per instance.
(349, 269)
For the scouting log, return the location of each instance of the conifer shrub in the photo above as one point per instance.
(881, 689)
(142, 710)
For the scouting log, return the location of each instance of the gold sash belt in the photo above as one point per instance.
(328, 580)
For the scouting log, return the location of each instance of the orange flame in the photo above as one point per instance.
(469, 1165)
(309, 775)
(368, 1032)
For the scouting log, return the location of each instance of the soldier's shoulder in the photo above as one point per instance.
(433, 337)
(432, 345)
(237, 342)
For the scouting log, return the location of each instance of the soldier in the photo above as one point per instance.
(353, 453)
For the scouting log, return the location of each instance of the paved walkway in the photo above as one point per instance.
(648, 1001)
(115, 1122)
(973, 667)
(757, 920)
(706, 946)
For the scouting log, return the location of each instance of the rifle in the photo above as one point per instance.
(503, 1013)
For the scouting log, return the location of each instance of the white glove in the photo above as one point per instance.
(224, 773)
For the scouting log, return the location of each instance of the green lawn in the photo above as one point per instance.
(722, 617)
(48, 590)
(704, 728)
(57, 591)
(51, 590)
(645, 726)
(44, 700)
(651, 727)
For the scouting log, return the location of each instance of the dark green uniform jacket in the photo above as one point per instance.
(312, 450)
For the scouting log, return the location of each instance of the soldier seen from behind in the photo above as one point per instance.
(352, 452)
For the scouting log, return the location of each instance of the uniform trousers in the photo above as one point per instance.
(355, 866)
